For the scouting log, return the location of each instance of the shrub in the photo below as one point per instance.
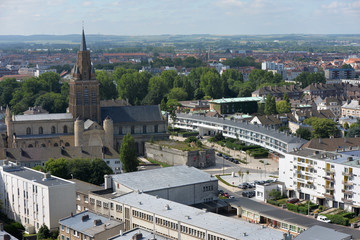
(273, 202)
(291, 207)
(338, 219)
(321, 208)
(348, 215)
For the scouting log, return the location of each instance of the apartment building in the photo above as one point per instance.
(35, 198)
(339, 73)
(351, 109)
(272, 66)
(332, 104)
(327, 178)
(88, 225)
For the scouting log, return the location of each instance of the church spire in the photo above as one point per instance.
(83, 42)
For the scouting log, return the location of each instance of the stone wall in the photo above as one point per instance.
(199, 159)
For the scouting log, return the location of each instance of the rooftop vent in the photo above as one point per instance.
(85, 218)
(167, 207)
(97, 222)
(187, 217)
(350, 159)
(137, 236)
(47, 176)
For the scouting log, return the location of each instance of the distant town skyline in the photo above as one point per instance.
(155, 17)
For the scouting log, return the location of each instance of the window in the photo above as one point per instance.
(132, 129)
(105, 205)
(93, 97)
(41, 130)
(98, 203)
(156, 128)
(28, 131)
(144, 129)
(77, 196)
(86, 96)
(65, 129)
(118, 208)
(53, 130)
(62, 237)
(92, 201)
(78, 207)
(78, 97)
(67, 230)
(120, 130)
(86, 199)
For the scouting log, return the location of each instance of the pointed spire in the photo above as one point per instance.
(83, 42)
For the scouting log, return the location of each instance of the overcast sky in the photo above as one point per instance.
(153, 17)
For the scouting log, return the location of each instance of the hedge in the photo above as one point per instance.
(338, 219)
(291, 207)
(273, 202)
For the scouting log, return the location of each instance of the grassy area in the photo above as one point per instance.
(162, 164)
(179, 145)
(223, 181)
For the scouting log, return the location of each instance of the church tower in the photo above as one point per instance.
(84, 97)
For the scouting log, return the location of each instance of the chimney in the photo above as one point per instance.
(6, 237)
(97, 222)
(107, 181)
(85, 218)
(137, 236)
(71, 214)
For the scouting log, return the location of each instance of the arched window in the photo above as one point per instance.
(65, 129)
(53, 130)
(28, 131)
(56, 145)
(67, 144)
(30, 146)
(41, 130)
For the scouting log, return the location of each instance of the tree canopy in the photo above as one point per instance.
(323, 128)
(128, 154)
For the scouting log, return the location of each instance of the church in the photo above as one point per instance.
(88, 121)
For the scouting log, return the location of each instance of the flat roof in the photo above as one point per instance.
(247, 126)
(162, 178)
(85, 187)
(146, 234)
(331, 157)
(34, 176)
(42, 117)
(87, 226)
(230, 227)
(322, 233)
(233, 100)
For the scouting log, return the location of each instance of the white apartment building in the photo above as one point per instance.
(327, 178)
(35, 198)
(272, 66)
(332, 104)
(351, 109)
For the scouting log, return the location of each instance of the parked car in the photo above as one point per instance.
(322, 218)
(292, 200)
(248, 194)
(242, 186)
(226, 157)
(231, 197)
(226, 195)
(236, 161)
(231, 159)
(219, 154)
(221, 192)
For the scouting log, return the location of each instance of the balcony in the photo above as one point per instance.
(347, 191)
(328, 170)
(348, 174)
(328, 196)
(347, 183)
(330, 188)
(329, 178)
(347, 200)
(310, 166)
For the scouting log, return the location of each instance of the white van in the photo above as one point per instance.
(322, 218)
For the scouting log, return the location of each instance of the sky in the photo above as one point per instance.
(155, 17)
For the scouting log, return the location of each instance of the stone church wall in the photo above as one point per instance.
(199, 159)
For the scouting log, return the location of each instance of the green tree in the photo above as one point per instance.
(169, 77)
(199, 94)
(270, 105)
(323, 128)
(107, 88)
(275, 194)
(39, 168)
(286, 98)
(50, 81)
(58, 167)
(178, 94)
(304, 133)
(43, 233)
(128, 154)
(245, 90)
(346, 125)
(211, 85)
(163, 105)
(283, 107)
(52, 102)
(98, 168)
